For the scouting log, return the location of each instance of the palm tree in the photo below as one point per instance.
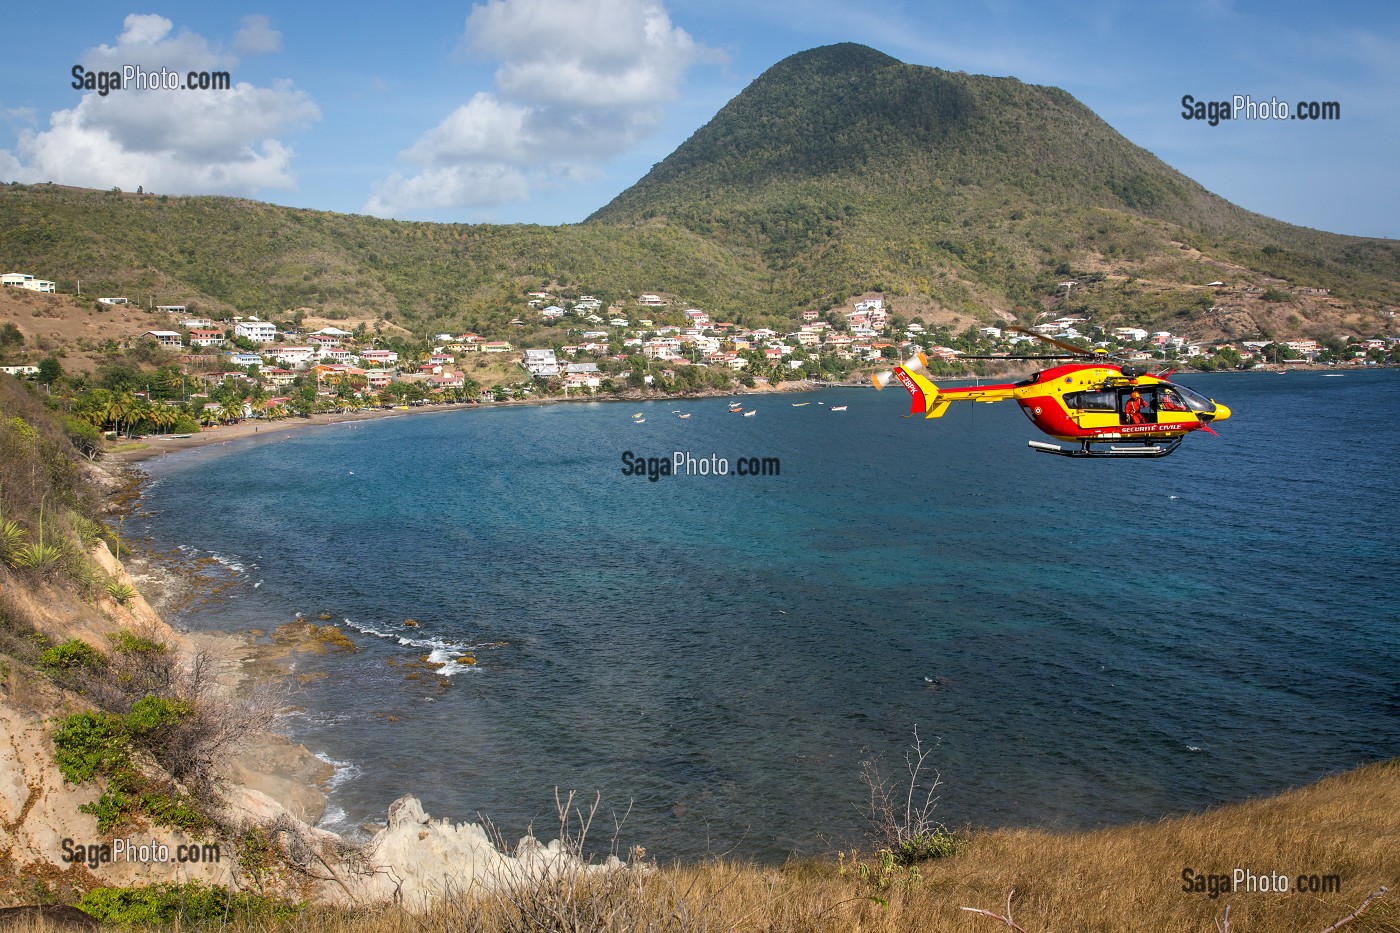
(120, 410)
(231, 411)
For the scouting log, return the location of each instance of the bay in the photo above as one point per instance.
(1085, 642)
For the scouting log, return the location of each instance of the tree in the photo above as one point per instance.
(49, 371)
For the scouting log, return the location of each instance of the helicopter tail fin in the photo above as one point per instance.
(913, 376)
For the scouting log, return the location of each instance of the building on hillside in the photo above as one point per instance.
(255, 330)
(168, 339)
(380, 358)
(202, 337)
(25, 281)
(112, 301)
(541, 363)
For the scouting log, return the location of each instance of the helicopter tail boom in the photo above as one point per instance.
(928, 398)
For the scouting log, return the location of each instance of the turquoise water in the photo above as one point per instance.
(722, 652)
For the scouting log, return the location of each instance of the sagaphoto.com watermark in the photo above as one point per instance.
(138, 851)
(134, 77)
(1244, 107)
(686, 463)
(1249, 881)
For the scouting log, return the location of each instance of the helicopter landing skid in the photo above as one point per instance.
(1086, 449)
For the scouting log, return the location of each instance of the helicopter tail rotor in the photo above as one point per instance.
(913, 374)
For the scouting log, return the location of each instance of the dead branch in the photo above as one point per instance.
(1004, 919)
(1379, 892)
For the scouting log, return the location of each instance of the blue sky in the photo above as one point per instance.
(540, 111)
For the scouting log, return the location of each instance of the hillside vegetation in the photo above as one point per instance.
(838, 172)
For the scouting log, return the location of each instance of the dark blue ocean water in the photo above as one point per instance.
(723, 652)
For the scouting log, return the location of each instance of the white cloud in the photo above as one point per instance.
(580, 82)
(172, 141)
(257, 37)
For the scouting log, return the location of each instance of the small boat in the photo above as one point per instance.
(636, 414)
(639, 421)
(839, 407)
(800, 404)
(750, 414)
(182, 436)
(686, 415)
(736, 406)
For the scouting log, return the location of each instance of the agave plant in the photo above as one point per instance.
(89, 531)
(11, 534)
(35, 555)
(123, 593)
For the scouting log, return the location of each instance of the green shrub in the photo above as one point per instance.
(71, 655)
(89, 744)
(127, 642)
(111, 809)
(925, 846)
(188, 903)
(151, 713)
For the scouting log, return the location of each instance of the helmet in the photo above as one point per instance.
(1135, 394)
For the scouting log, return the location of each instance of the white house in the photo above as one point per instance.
(291, 356)
(112, 301)
(21, 280)
(541, 363)
(381, 358)
(256, 331)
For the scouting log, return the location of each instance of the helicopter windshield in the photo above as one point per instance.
(1195, 401)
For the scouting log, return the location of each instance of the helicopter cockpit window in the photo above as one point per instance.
(1169, 400)
(1194, 401)
(1092, 401)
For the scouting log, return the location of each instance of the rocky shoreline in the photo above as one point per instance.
(270, 789)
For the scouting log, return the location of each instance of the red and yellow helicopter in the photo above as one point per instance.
(1111, 408)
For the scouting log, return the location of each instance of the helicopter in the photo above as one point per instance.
(1110, 407)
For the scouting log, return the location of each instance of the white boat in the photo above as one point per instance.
(686, 415)
(750, 414)
(839, 407)
(800, 404)
(639, 421)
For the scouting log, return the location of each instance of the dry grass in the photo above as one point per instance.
(1111, 881)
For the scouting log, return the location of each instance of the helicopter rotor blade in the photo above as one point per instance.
(1057, 356)
(1078, 351)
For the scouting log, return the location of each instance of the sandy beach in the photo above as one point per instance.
(159, 445)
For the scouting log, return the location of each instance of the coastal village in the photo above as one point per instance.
(242, 366)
